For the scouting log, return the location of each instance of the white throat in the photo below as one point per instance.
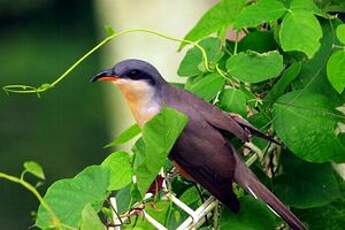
(141, 99)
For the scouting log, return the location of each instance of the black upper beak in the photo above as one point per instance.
(105, 74)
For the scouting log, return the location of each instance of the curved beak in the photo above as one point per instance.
(105, 75)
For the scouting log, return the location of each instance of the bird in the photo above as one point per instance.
(202, 152)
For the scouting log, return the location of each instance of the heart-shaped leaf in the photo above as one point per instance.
(260, 12)
(300, 31)
(307, 132)
(206, 86)
(336, 70)
(119, 164)
(34, 168)
(193, 64)
(253, 67)
(68, 197)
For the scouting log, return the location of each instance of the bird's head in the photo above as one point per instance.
(139, 82)
(131, 72)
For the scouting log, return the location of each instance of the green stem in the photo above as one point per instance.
(251, 160)
(221, 73)
(236, 44)
(338, 46)
(24, 89)
(32, 189)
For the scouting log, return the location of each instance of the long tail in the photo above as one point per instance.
(246, 179)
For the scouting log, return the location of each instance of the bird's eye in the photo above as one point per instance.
(133, 73)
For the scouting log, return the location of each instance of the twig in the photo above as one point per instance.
(116, 219)
(55, 220)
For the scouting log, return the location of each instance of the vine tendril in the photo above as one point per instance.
(27, 89)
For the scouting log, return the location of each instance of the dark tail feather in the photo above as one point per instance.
(252, 130)
(246, 179)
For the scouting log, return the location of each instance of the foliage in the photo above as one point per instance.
(159, 136)
(286, 76)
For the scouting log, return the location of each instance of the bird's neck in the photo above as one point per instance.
(142, 100)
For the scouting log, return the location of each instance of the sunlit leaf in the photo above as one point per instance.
(254, 67)
(260, 12)
(34, 168)
(126, 135)
(341, 33)
(193, 64)
(300, 31)
(119, 164)
(336, 70)
(90, 219)
(68, 197)
(159, 136)
(206, 86)
(305, 5)
(221, 15)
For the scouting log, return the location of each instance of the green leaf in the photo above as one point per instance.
(341, 33)
(306, 185)
(125, 136)
(119, 164)
(336, 70)
(34, 168)
(331, 5)
(139, 153)
(219, 17)
(123, 199)
(313, 75)
(253, 67)
(190, 196)
(305, 5)
(193, 64)
(135, 194)
(90, 219)
(109, 30)
(302, 121)
(262, 122)
(207, 86)
(68, 197)
(253, 215)
(259, 41)
(330, 217)
(233, 100)
(174, 218)
(300, 31)
(159, 136)
(260, 12)
(158, 211)
(287, 77)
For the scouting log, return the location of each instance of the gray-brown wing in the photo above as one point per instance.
(203, 153)
(188, 102)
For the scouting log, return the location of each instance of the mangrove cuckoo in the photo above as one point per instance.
(201, 153)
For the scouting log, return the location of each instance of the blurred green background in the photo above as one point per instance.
(62, 129)
(66, 128)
